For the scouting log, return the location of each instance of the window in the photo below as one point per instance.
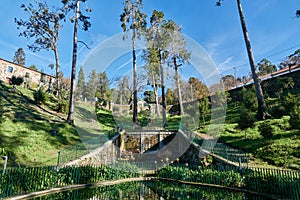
(10, 69)
(27, 75)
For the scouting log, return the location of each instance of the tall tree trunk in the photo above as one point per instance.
(163, 99)
(73, 73)
(57, 72)
(181, 111)
(262, 109)
(156, 95)
(134, 117)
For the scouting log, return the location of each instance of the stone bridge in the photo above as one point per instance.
(150, 146)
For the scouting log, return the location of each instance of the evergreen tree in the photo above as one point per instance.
(80, 87)
(178, 55)
(132, 18)
(155, 55)
(265, 67)
(33, 67)
(19, 57)
(91, 86)
(103, 93)
(170, 97)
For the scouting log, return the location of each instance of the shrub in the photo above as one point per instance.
(246, 119)
(295, 117)
(1, 112)
(276, 111)
(249, 99)
(265, 130)
(40, 96)
(16, 81)
(62, 106)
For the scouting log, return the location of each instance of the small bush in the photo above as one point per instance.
(62, 106)
(295, 118)
(246, 119)
(40, 96)
(249, 99)
(265, 130)
(16, 81)
(276, 111)
(1, 112)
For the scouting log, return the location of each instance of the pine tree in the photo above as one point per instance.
(80, 87)
(132, 18)
(178, 55)
(19, 57)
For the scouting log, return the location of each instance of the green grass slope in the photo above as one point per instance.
(31, 134)
(280, 150)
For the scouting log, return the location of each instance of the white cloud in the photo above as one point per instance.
(225, 64)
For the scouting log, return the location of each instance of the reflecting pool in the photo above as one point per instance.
(148, 190)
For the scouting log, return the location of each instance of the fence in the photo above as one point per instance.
(224, 151)
(283, 183)
(18, 181)
(81, 149)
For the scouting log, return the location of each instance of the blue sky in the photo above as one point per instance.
(272, 26)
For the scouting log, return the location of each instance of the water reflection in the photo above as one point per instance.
(148, 191)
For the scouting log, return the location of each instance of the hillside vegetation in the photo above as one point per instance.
(276, 140)
(31, 134)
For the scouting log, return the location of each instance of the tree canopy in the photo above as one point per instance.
(19, 57)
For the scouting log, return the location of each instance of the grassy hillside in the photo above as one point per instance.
(282, 147)
(280, 150)
(31, 134)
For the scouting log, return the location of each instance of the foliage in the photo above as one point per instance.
(43, 25)
(91, 86)
(295, 117)
(284, 84)
(1, 112)
(122, 95)
(16, 80)
(70, 6)
(133, 19)
(33, 67)
(249, 99)
(203, 110)
(21, 180)
(199, 89)
(246, 119)
(19, 57)
(201, 175)
(143, 116)
(291, 60)
(149, 96)
(103, 93)
(265, 130)
(40, 96)
(80, 87)
(265, 67)
(171, 97)
(62, 106)
(289, 102)
(177, 55)
(229, 81)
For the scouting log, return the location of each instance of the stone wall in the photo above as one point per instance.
(32, 77)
